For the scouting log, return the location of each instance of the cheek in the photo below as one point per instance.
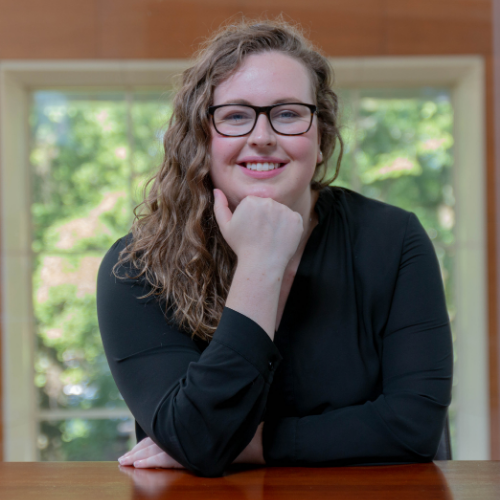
(223, 153)
(217, 152)
(224, 150)
(302, 149)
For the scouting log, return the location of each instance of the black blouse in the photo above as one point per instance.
(360, 370)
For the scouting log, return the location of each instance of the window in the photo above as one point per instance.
(90, 153)
(68, 193)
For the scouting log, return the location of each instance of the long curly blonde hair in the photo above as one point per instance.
(176, 245)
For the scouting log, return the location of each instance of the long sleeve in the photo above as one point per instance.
(201, 405)
(404, 423)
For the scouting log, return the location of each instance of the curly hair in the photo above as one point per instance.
(176, 245)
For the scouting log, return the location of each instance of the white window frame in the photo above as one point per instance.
(464, 75)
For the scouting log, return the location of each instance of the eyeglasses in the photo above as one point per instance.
(236, 120)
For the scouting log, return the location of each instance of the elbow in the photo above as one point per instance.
(208, 469)
(435, 449)
(196, 446)
(424, 448)
(419, 427)
(202, 462)
(422, 455)
(210, 462)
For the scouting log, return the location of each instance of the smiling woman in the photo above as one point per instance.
(255, 314)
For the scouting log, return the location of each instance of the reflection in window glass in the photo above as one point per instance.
(91, 154)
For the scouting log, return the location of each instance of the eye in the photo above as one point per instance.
(233, 115)
(290, 113)
(236, 117)
(286, 114)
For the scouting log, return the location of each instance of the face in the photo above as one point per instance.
(262, 80)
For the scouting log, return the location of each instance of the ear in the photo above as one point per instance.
(319, 158)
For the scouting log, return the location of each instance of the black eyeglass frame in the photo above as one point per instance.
(260, 110)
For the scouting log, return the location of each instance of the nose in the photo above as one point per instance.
(262, 134)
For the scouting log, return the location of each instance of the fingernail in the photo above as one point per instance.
(121, 460)
(137, 462)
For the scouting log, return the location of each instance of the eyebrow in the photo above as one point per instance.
(276, 101)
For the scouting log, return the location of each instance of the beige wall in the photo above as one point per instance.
(158, 29)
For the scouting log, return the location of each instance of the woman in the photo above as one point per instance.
(255, 314)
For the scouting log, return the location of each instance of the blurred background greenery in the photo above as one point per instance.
(91, 154)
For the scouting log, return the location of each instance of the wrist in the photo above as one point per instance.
(254, 451)
(272, 269)
(257, 446)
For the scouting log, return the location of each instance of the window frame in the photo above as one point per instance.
(464, 75)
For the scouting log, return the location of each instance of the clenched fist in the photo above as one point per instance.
(261, 231)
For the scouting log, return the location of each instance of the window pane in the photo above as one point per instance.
(85, 439)
(80, 167)
(150, 115)
(80, 207)
(86, 152)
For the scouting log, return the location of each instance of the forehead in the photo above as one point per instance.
(264, 79)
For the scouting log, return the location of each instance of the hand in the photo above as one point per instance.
(254, 452)
(147, 455)
(260, 231)
(152, 482)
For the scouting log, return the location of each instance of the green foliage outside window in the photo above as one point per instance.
(91, 154)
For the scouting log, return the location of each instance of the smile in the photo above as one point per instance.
(263, 170)
(262, 167)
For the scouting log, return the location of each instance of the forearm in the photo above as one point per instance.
(376, 432)
(210, 416)
(202, 407)
(254, 292)
(403, 424)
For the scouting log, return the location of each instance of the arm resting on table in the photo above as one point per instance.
(202, 407)
(405, 422)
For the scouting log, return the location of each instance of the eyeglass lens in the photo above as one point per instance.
(286, 119)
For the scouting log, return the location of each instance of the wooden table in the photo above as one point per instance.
(108, 480)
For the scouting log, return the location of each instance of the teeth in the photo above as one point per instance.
(262, 167)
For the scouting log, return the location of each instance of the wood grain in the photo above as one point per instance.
(52, 29)
(106, 480)
(149, 29)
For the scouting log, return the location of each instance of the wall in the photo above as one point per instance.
(156, 29)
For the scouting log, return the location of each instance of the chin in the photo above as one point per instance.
(263, 191)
